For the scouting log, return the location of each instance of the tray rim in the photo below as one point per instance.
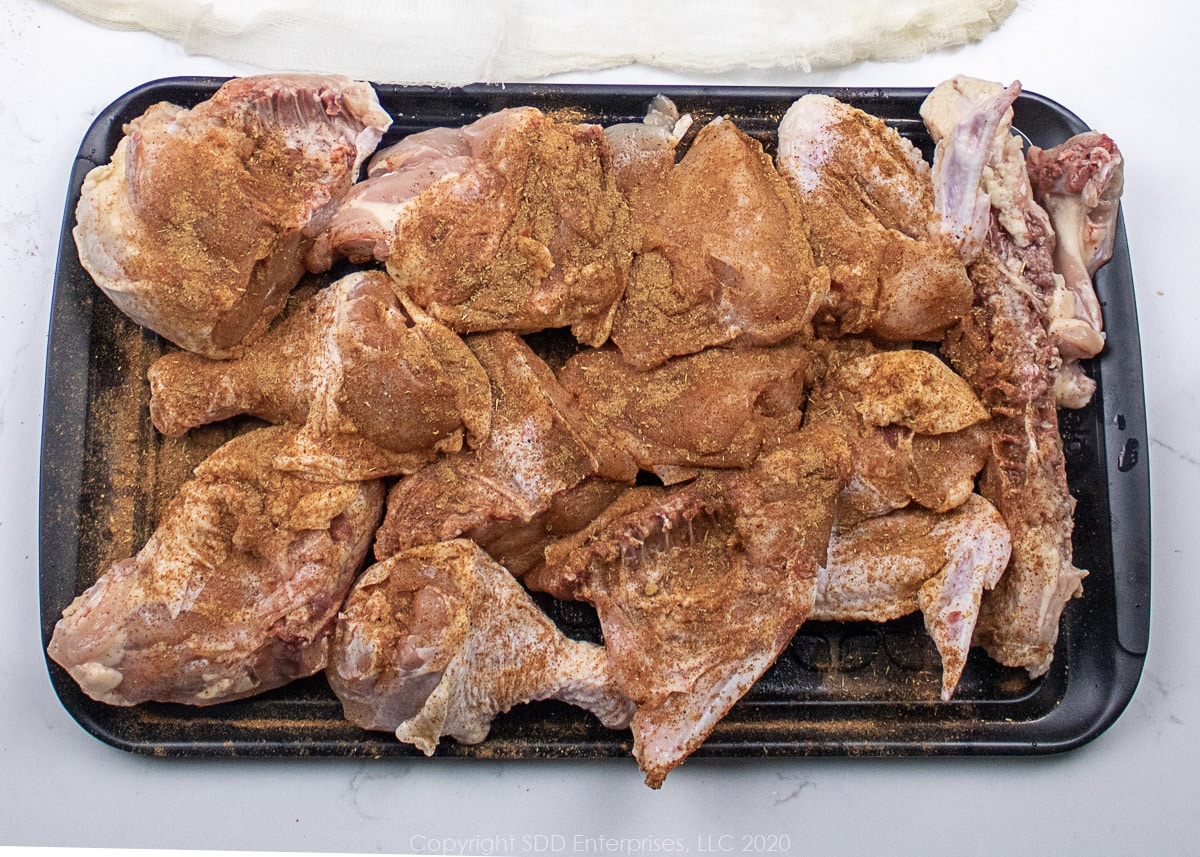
(1056, 732)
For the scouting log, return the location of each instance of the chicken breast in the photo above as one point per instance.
(236, 591)
(198, 226)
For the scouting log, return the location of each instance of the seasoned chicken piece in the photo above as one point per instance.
(379, 389)
(539, 446)
(699, 589)
(917, 431)
(643, 155)
(235, 593)
(438, 640)
(712, 409)
(913, 559)
(513, 222)
(725, 255)
(1079, 184)
(869, 203)
(1003, 350)
(198, 226)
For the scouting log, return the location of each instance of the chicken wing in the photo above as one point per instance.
(235, 593)
(198, 226)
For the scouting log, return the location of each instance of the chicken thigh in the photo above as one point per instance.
(379, 390)
(198, 226)
(513, 222)
(437, 640)
(868, 199)
(235, 593)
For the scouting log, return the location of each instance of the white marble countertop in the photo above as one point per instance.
(1129, 69)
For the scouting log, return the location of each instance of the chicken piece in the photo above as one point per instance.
(1079, 184)
(379, 389)
(198, 226)
(868, 199)
(438, 640)
(643, 155)
(960, 113)
(513, 222)
(917, 431)
(912, 559)
(712, 409)
(699, 589)
(539, 446)
(725, 255)
(1003, 350)
(235, 593)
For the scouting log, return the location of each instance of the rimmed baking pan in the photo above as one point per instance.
(839, 689)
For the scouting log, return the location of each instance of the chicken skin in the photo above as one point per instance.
(437, 640)
(868, 199)
(235, 593)
(513, 222)
(198, 227)
(379, 389)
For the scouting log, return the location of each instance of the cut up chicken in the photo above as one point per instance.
(513, 222)
(236, 592)
(198, 227)
(916, 429)
(913, 559)
(711, 409)
(699, 589)
(868, 199)
(379, 389)
(1079, 183)
(1003, 350)
(724, 255)
(539, 446)
(437, 640)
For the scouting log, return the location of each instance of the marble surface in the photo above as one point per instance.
(1129, 69)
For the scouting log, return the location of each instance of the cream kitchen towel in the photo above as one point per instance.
(460, 41)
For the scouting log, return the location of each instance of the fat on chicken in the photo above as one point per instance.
(914, 559)
(379, 389)
(513, 222)
(236, 591)
(198, 226)
(868, 199)
(437, 640)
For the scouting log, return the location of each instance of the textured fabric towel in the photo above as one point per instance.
(460, 41)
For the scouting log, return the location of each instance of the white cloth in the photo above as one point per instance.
(460, 41)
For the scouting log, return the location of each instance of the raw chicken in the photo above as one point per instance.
(235, 593)
(379, 389)
(513, 222)
(198, 227)
(643, 155)
(725, 254)
(711, 409)
(539, 446)
(699, 589)
(1079, 184)
(913, 559)
(868, 199)
(1003, 350)
(917, 431)
(438, 640)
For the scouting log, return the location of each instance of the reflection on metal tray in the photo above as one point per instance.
(838, 688)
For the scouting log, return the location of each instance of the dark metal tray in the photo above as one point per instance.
(839, 689)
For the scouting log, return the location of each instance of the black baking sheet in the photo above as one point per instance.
(839, 689)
